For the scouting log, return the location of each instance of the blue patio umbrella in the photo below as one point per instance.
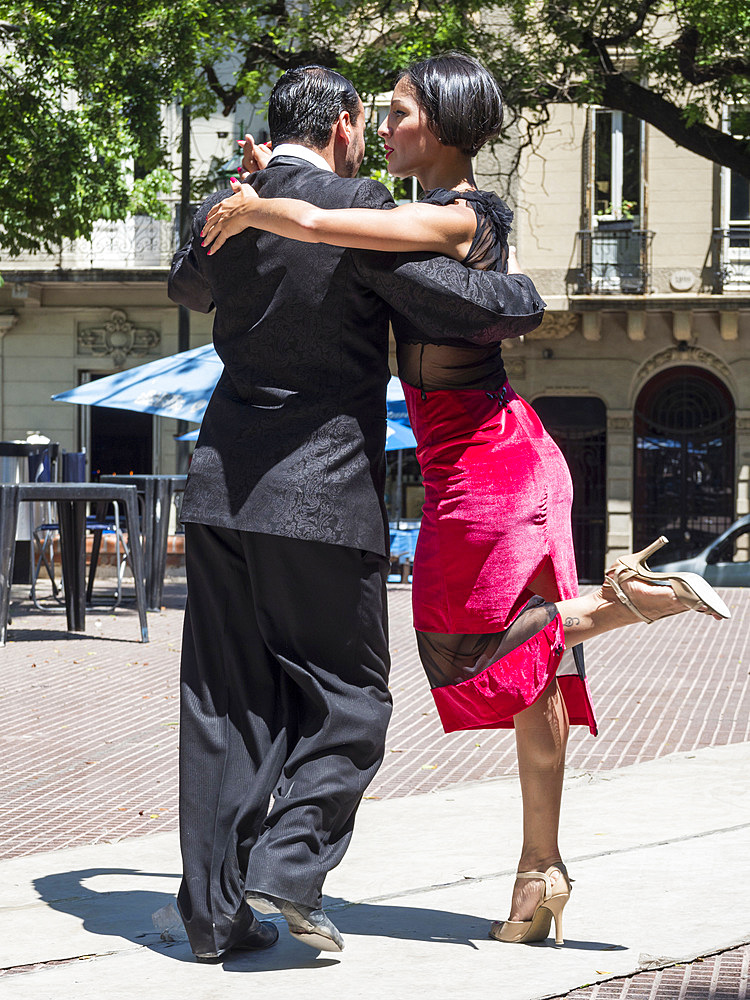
(398, 436)
(179, 386)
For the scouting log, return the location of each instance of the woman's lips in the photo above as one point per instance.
(388, 151)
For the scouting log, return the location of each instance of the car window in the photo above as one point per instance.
(735, 549)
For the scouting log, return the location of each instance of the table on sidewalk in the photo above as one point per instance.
(72, 500)
(157, 493)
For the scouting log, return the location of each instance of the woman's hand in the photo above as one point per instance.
(254, 156)
(231, 216)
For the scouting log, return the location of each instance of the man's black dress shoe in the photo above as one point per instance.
(306, 924)
(260, 935)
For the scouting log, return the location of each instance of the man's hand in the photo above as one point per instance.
(254, 156)
(229, 217)
(513, 266)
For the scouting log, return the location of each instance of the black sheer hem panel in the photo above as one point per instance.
(432, 367)
(451, 659)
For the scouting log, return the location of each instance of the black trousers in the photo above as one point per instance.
(284, 694)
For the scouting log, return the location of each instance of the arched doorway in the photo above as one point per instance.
(578, 425)
(683, 460)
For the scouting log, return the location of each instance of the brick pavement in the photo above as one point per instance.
(90, 721)
(716, 977)
(90, 734)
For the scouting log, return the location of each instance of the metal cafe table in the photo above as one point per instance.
(157, 493)
(71, 500)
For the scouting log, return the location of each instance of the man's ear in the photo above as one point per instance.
(344, 127)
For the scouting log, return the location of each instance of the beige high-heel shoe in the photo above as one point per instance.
(689, 588)
(550, 905)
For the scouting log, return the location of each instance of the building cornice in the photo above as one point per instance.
(92, 276)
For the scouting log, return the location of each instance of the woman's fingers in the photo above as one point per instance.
(229, 217)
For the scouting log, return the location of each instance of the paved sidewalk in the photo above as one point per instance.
(655, 809)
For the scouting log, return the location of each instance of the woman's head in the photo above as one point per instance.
(460, 98)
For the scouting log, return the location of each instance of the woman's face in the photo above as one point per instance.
(409, 143)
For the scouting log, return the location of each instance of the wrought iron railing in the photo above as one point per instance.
(731, 256)
(130, 244)
(614, 260)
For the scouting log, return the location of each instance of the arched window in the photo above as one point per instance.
(684, 461)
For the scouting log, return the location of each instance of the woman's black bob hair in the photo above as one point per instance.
(462, 101)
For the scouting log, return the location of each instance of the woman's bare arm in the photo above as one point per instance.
(448, 229)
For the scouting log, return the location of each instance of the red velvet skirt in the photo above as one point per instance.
(495, 531)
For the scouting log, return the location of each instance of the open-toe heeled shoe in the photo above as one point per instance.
(552, 903)
(689, 588)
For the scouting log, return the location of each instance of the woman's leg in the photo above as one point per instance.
(601, 611)
(541, 739)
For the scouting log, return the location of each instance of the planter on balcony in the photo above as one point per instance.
(614, 225)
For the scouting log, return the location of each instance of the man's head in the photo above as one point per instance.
(319, 108)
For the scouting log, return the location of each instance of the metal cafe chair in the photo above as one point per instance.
(46, 534)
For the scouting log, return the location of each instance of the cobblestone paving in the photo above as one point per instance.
(717, 977)
(90, 722)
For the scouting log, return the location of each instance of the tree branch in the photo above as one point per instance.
(624, 94)
(644, 9)
(687, 48)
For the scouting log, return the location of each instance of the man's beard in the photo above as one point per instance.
(353, 161)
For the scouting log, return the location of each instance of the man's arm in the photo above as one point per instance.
(187, 284)
(443, 299)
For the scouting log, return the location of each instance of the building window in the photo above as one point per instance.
(614, 248)
(683, 475)
(734, 235)
(617, 167)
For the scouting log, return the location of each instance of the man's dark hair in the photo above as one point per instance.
(305, 104)
(462, 101)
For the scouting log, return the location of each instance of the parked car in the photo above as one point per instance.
(725, 562)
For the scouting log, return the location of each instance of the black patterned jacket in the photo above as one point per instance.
(292, 442)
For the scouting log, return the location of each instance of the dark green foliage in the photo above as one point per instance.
(83, 84)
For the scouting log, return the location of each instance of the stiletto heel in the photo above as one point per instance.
(551, 905)
(689, 588)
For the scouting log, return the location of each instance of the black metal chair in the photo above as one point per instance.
(100, 524)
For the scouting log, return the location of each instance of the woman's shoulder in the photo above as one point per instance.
(485, 203)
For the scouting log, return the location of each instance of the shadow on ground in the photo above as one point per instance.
(127, 913)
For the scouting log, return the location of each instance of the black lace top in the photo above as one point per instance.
(461, 365)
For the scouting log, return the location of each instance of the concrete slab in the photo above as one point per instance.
(425, 874)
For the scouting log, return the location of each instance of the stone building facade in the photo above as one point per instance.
(641, 367)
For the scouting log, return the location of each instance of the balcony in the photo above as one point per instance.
(137, 243)
(731, 255)
(614, 259)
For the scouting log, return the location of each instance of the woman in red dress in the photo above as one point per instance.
(495, 599)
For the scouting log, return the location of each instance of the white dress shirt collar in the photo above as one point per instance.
(302, 153)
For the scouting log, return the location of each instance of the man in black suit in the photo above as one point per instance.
(285, 655)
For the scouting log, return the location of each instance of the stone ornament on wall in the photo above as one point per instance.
(555, 326)
(118, 339)
(515, 368)
(685, 356)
